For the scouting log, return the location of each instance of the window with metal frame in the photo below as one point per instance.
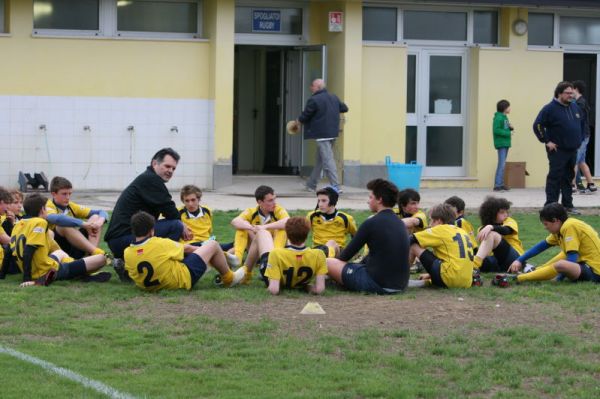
(435, 25)
(485, 27)
(579, 30)
(2, 16)
(380, 23)
(540, 29)
(114, 18)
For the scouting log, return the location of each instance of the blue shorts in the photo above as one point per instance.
(587, 274)
(504, 256)
(196, 266)
(68, 271)
(356, 278)
(433, 265)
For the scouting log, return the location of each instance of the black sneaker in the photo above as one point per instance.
(499, 188)
(592, 187)
(47, 278)
(573, 211)
(99, 277)
(119, 266)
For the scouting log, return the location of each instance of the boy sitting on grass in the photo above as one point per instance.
(76, 228)
(458, 205)
(40, 258)
(408, 210)
(154, 263)
(294, 266)
(579, 259)
(450, 265)
(330, 227)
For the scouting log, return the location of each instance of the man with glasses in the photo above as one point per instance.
(559, 125)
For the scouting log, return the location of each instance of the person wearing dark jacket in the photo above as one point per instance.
(147, 193)
(321, 120)
(559, 125)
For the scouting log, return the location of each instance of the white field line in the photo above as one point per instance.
(86, 382)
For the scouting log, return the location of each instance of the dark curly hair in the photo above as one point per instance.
(490, 207)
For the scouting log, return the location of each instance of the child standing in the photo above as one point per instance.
(502, 136)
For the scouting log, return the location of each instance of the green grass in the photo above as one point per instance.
(219, 343)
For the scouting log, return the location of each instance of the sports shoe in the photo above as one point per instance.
(98, 277)
(232, 260)
(310, 189)
(501, 280)
(119, 266)
(477, 279)
(47, 278)
(592, 187)
(528, 268)
(573, 211)
(238, 277)
(581, 188)
(499, 188)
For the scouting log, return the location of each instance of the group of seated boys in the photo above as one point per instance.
(57, 239)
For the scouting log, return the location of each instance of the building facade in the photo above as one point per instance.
(92, 88)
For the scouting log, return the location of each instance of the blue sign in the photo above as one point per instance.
(266, 21)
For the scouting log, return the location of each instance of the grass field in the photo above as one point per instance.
(526, 341)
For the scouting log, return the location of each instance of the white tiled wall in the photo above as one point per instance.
(107, 156)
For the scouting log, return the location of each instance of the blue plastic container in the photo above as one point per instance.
(404, 175)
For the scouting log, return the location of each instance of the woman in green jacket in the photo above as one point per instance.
(502, 134)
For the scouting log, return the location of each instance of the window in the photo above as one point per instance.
(435, 25)
(485, 27)
(111, 18)
(286, 21)
(541, 30)
(380, 23)
(579, 30)
(66, 14)
(2, 21)
(157, 16)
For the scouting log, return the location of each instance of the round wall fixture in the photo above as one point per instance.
(520, 27)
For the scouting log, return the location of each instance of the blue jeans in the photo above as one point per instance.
(499, 179)
(581, 154)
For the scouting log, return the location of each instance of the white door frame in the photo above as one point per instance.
(422, 118)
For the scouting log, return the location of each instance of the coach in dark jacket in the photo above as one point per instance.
(321, 120)
(148, 193)
(559, 125)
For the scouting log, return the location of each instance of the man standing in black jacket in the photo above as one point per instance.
(559, 125)
(147, 193)
(321, 119)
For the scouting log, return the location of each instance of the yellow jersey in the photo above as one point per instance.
(468, 228)
(200, 224)
(295, 266)
(419, 215)
(331, 227)
(576, 235)
(452, 246)
(255, 217)
(73, 210)
(34, 232)
(156, 263)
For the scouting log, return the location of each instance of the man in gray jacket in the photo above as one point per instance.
(321, 120)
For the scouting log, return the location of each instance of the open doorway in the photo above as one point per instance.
(584, 67)
(270, 88)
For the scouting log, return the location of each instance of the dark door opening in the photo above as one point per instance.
(583, 67)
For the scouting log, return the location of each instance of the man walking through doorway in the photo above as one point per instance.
(321, 120)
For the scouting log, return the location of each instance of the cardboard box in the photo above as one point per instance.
(514, 174)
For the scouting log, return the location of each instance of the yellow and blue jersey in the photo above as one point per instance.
(34, 232)
(468, 228)
(295, 266)
(336, 226)
(578, 236)
(199, 222)
(420, 214)
(72, 210)
(156, 263)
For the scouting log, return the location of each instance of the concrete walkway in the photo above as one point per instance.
(291, 194)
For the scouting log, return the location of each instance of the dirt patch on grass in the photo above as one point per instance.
(432, 310)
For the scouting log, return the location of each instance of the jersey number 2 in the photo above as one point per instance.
(148, 282)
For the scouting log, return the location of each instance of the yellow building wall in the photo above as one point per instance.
(384, 106)
(99, 67)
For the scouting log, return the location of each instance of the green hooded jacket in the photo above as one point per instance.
(502, 133)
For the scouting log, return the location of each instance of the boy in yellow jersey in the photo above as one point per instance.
(499, 233)
(294, 266)
(38, 255)
(267, 215)
(450, 265)
(330, 227)
(579, 259)
(154, 263)
(76, 228)
(198, 219)
(408, 210)
(5, 201)
(458, 205)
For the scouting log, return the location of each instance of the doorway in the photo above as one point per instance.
(435, 114)
(270, 89)
(584, 67)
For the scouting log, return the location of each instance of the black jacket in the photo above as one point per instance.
(148, 193)
(561, 124)
(321, 116)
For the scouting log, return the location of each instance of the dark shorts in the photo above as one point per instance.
(433, 265)
(504, 256)
(224, 247)
(71, 270)
(66, 246)
(328, 251)
(587, 274)
(263, 261)
(356, 278)
(196, 266)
